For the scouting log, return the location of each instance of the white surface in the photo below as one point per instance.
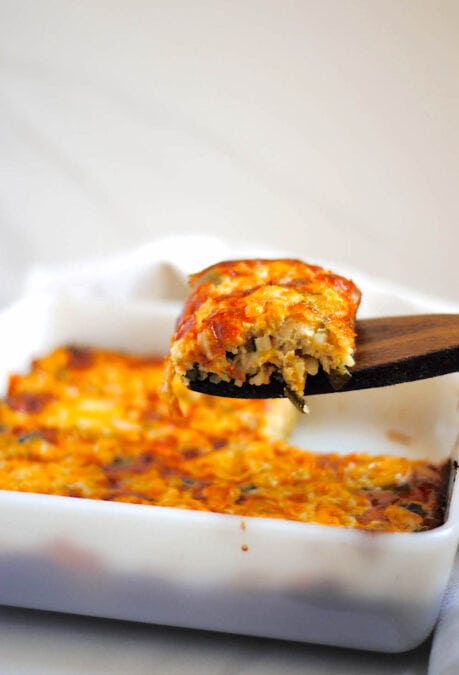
(444, 658)
(329, 124)
(39, 643)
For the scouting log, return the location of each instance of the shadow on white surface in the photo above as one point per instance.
(45, 643)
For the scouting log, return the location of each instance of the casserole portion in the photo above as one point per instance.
(106, 393)
(253, 320)
(91, 423)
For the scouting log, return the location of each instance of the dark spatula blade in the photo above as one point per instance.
(389, 351)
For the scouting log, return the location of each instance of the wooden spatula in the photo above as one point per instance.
(389, 350)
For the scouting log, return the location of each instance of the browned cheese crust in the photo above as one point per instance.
(90, 423)
(249, 320)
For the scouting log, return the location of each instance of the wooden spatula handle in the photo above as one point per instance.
(393, 339)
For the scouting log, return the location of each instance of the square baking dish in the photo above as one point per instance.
(265, 577)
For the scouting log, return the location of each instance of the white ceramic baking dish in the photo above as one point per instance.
(295, 581)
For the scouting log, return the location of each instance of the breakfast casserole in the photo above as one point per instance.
(247, 321)
(91, 423)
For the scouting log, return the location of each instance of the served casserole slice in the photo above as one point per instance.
(247, 321)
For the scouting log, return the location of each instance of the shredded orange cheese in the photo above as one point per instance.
(91, 423)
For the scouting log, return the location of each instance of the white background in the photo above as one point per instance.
(324, 126)
(327, 124)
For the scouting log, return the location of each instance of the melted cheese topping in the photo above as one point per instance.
(91, 423)
(246, 320)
